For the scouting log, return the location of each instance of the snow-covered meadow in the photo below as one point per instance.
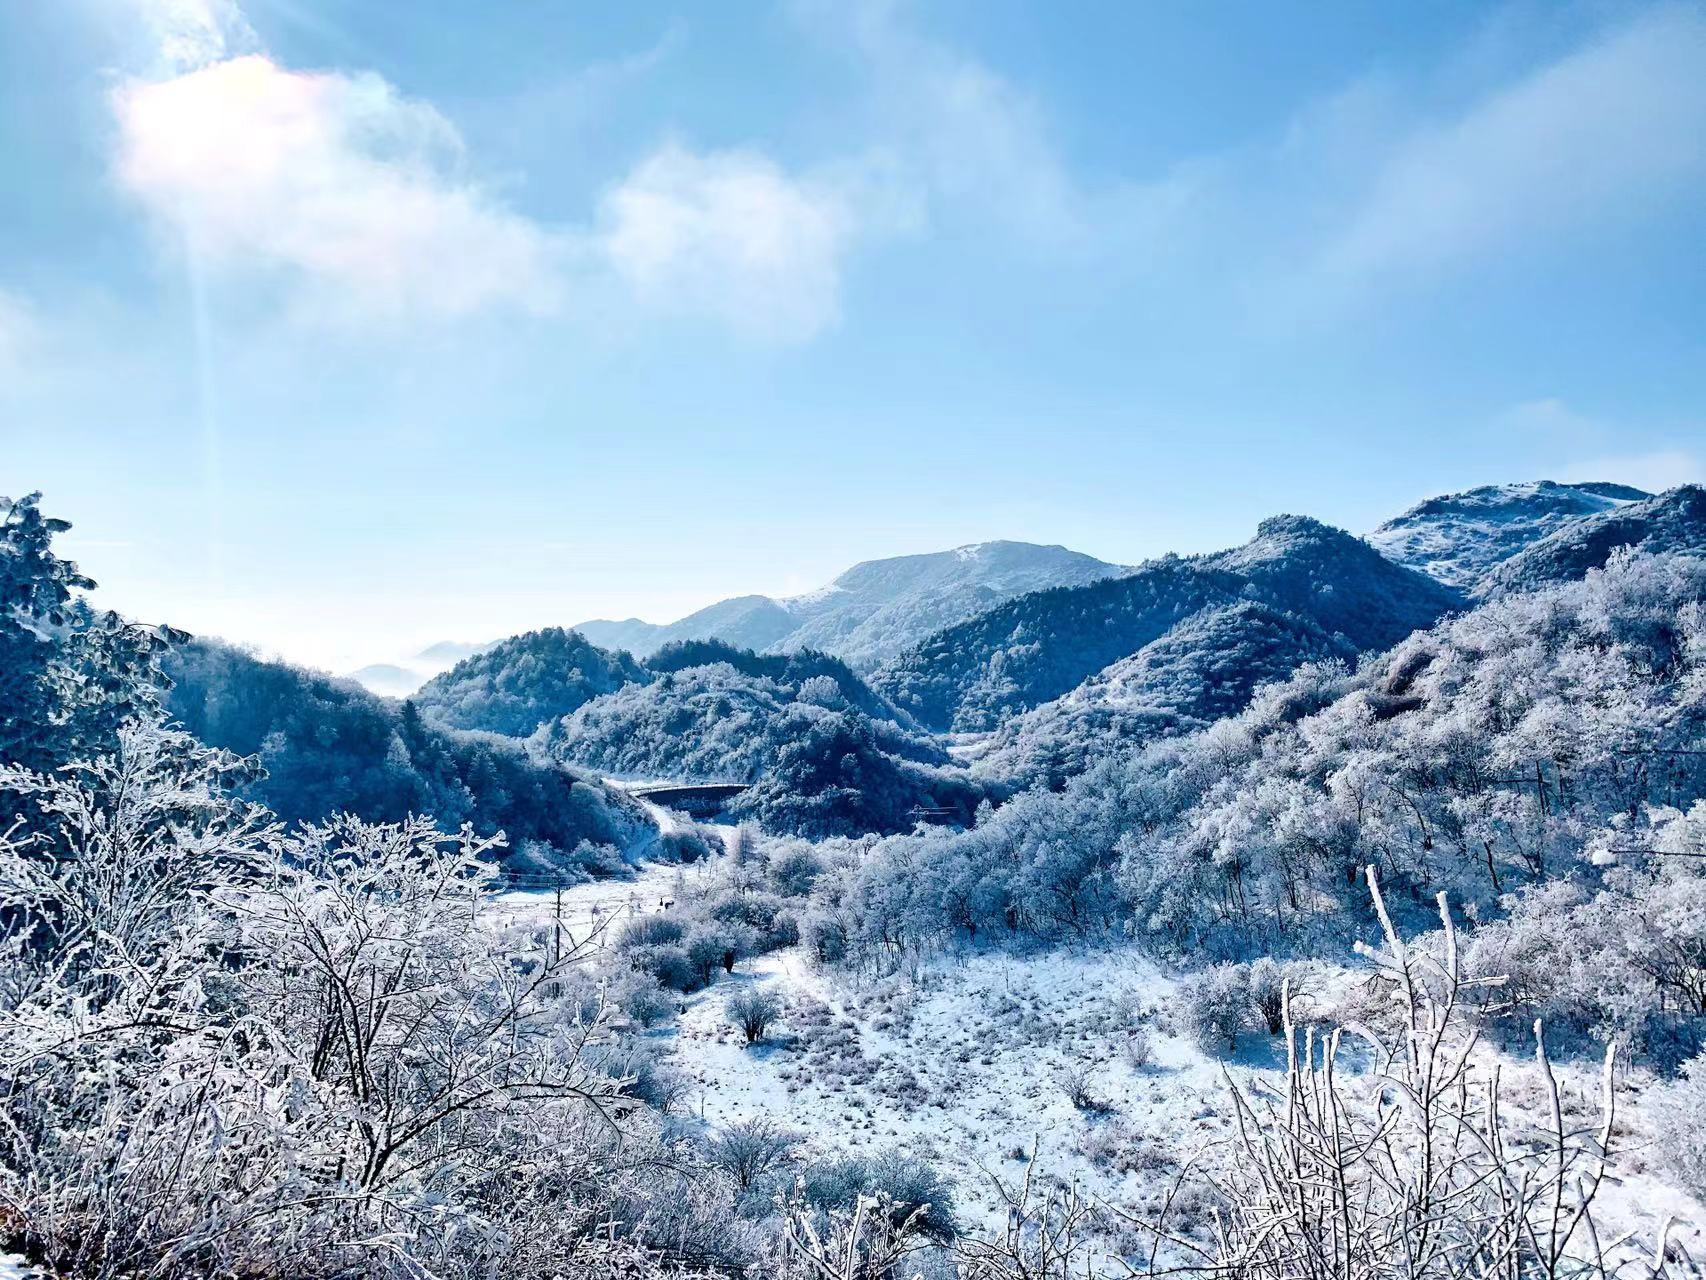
(1075, 1066)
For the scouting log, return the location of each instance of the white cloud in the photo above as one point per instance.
(1551, 417)
(730, 234)
(1604, 130)
(336, 178)
(1558, 429)
(358, 199)
(1655, 472)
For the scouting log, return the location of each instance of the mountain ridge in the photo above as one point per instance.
(873, 609)
(1027, 651)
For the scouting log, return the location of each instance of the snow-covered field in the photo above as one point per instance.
(595, 911)
(969, 1062)
(963, 1064)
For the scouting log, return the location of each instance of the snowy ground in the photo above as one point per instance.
(593, 911)
(965, 1063)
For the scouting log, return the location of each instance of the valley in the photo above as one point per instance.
(1059, 941)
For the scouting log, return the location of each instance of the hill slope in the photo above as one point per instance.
(328, 745)
(1459, 537)
(1674, 521)
(826, 754)
(1502, 747)
(517, 684)
(1203, 669)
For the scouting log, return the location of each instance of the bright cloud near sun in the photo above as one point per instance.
(336, 177)
(363, 198)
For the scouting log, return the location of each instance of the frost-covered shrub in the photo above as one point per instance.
(794, 868)
(1080, 1082)
(825, 937)
(770, 917)
(639, 996)
(592, 860)
(705, 951)
(753, 1009)
(1119, 1147)
(637, 1069)
(1214, 1006)
(1139, 1049)
(911, 1186)
(682, 846)
(752, 1151)
(651, 931)
(667, 963)
(1270, 983)
(1678, 1112)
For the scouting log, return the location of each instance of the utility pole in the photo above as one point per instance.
(557, 941)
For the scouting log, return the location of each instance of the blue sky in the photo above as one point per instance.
(339, 326)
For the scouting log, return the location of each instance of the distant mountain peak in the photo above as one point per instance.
(874, 609)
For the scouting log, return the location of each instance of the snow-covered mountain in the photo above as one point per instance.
(748, 622)
(978, 673)
(1459, 537)
(874, 610)
(1673, 521)
(1203, 669)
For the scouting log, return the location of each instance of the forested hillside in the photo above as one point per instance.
(829, 756)
(793, 669)
(514, 686)
(1203, 669)
(326, 746)
(1038, 647)
(1543, 739)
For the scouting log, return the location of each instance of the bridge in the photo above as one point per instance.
(699, 799)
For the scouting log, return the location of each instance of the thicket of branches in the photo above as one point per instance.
(225, 1045)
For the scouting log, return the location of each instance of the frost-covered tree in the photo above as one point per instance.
(1484, 756)
(69, 675)
(228, 1049)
